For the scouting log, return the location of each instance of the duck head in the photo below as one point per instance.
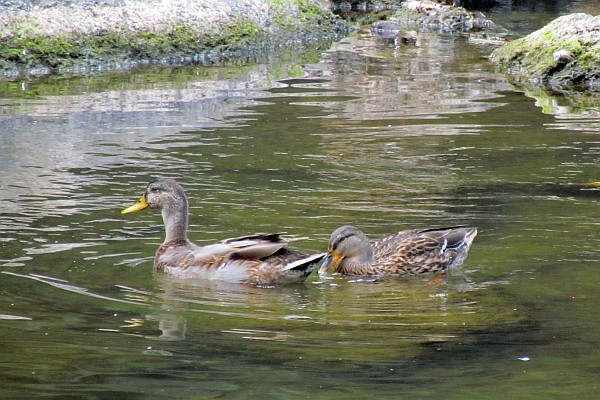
(348, 247)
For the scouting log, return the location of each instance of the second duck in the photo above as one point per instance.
(408, 252)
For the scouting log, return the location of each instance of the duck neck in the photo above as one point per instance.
(175, 219)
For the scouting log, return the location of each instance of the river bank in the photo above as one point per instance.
(40, 37)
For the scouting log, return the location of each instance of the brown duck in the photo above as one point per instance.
(408, 252)
(259, 259)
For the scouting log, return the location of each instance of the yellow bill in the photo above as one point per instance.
(332, 259)
(137, 206)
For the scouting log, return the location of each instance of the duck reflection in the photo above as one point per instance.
(274, 314)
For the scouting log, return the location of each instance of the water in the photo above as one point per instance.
(380, 135)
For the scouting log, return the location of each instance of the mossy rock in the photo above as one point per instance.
(72, 38)
(563, 55)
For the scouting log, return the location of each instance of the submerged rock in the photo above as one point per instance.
(563, 55)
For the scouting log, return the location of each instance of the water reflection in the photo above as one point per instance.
(401, 83)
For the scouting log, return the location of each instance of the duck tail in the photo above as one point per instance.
(305, 264)
(471, 233)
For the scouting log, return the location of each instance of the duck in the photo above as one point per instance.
(259, 259)
(408, 252)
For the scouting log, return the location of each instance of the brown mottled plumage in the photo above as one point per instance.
(408, 252)
(260, 259)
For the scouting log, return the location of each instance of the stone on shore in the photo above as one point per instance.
(433, 16)
(563, 55)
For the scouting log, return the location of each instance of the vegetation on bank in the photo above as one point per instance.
(29, 46)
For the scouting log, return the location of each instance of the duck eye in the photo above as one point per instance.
(341, 240)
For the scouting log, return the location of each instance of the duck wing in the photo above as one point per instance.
(454, 237)
(254, 247)
(257, 259)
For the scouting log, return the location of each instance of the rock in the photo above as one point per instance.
(563, 55)
(78, 3)
(67, 35)
(439, 17)
(14, 6)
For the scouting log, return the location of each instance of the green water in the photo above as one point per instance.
(380, 135)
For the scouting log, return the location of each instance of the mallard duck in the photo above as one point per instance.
(259, 259)
(408, 252)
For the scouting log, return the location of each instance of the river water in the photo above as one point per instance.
(368, 131)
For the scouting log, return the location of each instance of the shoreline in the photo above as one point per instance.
(101, 35)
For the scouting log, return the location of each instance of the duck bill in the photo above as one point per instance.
(329, 262)
(139, 205)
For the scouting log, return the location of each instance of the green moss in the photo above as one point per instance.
(242, 32)
(283, 18)
(306, 16)
(310, 9)
(52, 50)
